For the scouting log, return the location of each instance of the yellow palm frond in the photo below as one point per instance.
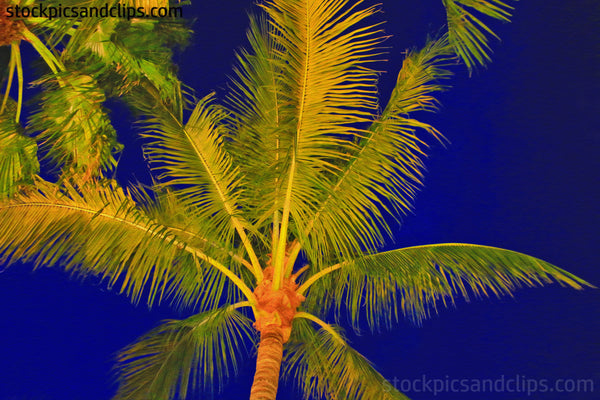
(181, 357)
(193, 160)
(328, 47)
(257, 108)
(415, 280)
(324, 365)
(98, 230)
(467, 33)
(381, 178)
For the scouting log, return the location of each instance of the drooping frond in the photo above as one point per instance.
(18, 153)
(181, 357)
(194, 162)
(467, 33)
(418, 278)
(328, 47)
(164, 207)
(73, 125)
(326, 367)
(124, 54)
(381, 179)
(98, 230)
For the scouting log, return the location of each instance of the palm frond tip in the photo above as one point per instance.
(414, 280)
(98, 230)
(325, 366)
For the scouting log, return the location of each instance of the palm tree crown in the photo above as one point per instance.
(269, 207)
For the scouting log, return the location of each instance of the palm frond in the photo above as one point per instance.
(73, 125)
(467, 33)
(182, 356)
(256, 104)
(164, 207)
(326, 367)
(328, 47)
(416, 279)
(55, 32)
(97, 230)
(128, 52)
(194, 162)
(18, 153)
(381, 179)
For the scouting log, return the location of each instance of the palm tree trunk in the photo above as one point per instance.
(268, 363)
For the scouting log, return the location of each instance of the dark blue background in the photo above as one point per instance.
(521, 173)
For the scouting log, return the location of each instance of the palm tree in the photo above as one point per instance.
(269, 208)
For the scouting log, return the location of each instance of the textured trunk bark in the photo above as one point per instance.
(268, 363)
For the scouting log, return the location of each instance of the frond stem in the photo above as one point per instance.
(280, 255)
(242, 304)
(321, 323)
(277, 274)
(258, 274)
(318, 276)
(16, 53)
(276, 217)
(11, 74)
(349, 167)
(275, 243)
(292, 258)
(225, 271)
(299, 272)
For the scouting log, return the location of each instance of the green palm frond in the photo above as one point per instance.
(18, 158)
(56, 31)
(381, 179)
(416, 279)
(194, 162)
(183, 356)
(467, 33)
(73, 125)
(256, 103)
(164, 207)
(328, 47)
(97, 230)
(128, 52)
(326, 367)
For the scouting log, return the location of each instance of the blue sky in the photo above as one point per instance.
(520, 172)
